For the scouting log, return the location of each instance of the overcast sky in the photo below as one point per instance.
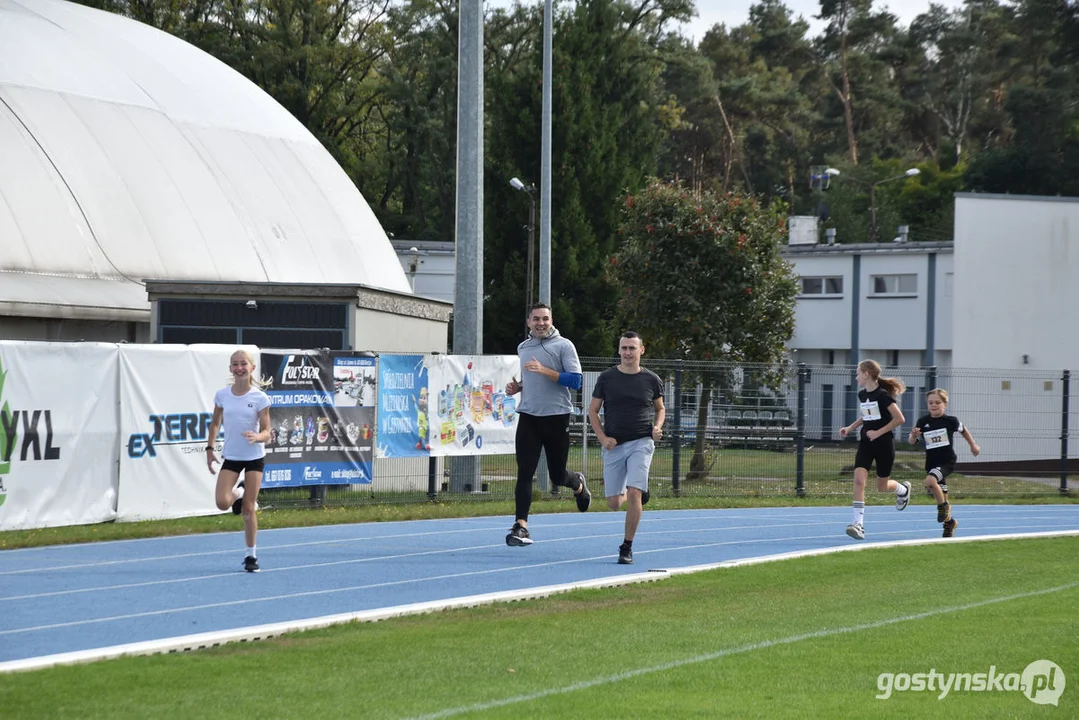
(735, 12)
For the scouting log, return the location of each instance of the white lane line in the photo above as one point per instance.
(616, 519)
(203, 640)
(397, 556)
(268, 531)
(726, 652)
(210, 553)
(389, 583)
(639, 552)
(308, 593)
(262, 632)
(739, 562)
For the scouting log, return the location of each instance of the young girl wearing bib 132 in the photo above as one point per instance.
(937, 431)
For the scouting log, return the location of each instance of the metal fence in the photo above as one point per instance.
(768, 431)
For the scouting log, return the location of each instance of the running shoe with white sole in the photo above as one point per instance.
(901, 501)
(518, 536)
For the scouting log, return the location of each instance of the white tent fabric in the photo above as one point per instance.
(128, 154)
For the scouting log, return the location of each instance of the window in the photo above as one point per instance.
(826, 286)
(894, 284)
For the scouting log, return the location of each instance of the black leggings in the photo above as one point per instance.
(548, 433)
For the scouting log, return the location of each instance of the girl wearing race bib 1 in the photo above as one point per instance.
(937, 430)
(879, 415)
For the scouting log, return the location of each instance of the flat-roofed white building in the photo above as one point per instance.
(891, 302)
(888, 301)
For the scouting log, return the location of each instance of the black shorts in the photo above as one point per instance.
(881, 451)
(941, 473)
(244, 466)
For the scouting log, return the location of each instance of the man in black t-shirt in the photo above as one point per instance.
(632, 402)
(937, 431)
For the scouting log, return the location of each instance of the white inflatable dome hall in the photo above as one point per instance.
(127, 154)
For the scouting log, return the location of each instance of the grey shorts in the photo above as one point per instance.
(627, 466)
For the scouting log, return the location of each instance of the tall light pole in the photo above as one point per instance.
(468, 288)
(516, 184)
(545, 156)
(873, 197)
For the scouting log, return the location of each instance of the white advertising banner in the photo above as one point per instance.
(58, 434)
(468, 406)
(166, 401)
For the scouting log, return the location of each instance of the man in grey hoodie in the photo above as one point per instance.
(550, 369)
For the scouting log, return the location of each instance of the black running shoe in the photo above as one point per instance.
(251, 564)
(625, 554)
(949, 527)
(238, 503)
(583, 498)
(944, 511)
(519, 536)
(645, 497)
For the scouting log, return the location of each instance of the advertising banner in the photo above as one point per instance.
(58, 434)
(322, 416)
(470, 413)
(166, 405)
(403, 408)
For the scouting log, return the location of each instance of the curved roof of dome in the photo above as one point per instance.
(130, 154)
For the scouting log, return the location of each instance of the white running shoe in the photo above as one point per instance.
(238, 503)
(856, 531)
(901, 501)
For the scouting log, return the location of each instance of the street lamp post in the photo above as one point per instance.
(819, 178)
(413, 266)
(516, 184)
(873, 197)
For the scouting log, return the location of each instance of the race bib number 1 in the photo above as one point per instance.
(870, 411)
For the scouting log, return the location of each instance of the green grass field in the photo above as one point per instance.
(804, 638)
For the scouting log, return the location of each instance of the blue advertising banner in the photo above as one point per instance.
(322, 417)
(403, 415)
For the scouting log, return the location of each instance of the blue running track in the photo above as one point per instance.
(83, 598)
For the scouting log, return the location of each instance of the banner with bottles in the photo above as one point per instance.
(446, 405)
(322, 418)
(470, 413)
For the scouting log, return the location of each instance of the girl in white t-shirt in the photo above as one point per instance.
(243, 409)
